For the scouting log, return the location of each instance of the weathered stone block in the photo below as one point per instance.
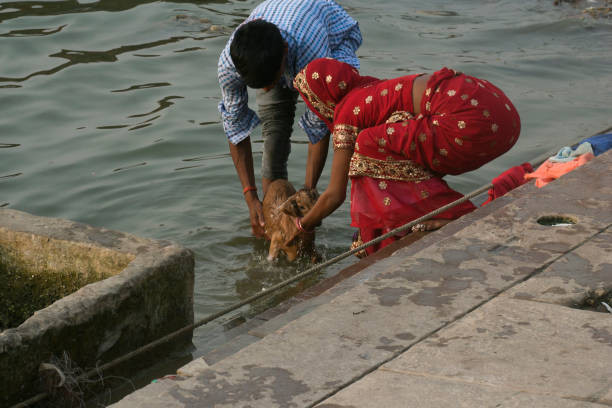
(144, 291)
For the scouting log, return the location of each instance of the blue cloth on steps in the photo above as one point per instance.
(600, 143)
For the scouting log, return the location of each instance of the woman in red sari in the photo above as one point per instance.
(396, 138)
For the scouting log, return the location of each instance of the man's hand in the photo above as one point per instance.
(256, 214)
(243, 161)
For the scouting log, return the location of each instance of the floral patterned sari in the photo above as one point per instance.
(399, 158)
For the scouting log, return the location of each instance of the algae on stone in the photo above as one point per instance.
(23, 291)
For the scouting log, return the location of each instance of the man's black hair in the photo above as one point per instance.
(257, 51)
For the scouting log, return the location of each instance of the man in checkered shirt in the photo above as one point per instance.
(267, 50)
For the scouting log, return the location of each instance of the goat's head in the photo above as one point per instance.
(300, 203)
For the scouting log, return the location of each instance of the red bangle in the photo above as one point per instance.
(298, 224)
(249, 188)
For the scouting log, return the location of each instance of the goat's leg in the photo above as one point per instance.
(291, 252)
(275, 246)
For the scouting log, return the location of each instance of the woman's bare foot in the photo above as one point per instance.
(429, 225)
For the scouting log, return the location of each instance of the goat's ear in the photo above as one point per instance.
(313, 194)
(290, 207)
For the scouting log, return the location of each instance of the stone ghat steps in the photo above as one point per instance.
(480, 313)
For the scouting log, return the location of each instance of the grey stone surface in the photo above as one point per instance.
(193, 367)
(533, 347)
(150, 296)
(391, 389)
(587, 269)
(411, 300)
(230, 347)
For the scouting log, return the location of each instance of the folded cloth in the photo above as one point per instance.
(549, 171)
(600, 143)
(508, 180)
(567, 153)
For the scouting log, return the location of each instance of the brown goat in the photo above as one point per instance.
(280, 204)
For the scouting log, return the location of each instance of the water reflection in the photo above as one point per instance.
(163, 104)
(11, 175)
(439, 36)
(140, 126)
(442, 13)
(16, 9)
(129, 167)
(110, 127)
(33, 32)
(189, 49)
(208, 157)
(85, 57)
(144, 86)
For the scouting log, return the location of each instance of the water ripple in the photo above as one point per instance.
(163, 104)
(129, 167)
(439, 36)
(441, 13)
(140, 126)
(109, 127)
(10, 175)
(33, 32)
(190, 49)
(206, 158)
(86, 57)
(17, 9)
(143, 86)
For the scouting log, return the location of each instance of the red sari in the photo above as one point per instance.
(399, 159)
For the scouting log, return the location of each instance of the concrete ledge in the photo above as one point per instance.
(146, 292)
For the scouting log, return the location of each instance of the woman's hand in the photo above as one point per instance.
(335, 193)
(295, 232)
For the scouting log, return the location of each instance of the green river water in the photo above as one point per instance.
(108, 113)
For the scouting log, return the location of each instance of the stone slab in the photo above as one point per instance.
(392, 389)
(144, 300)
(230, 347)
(193, 367)
(531, 347)
(569, 280)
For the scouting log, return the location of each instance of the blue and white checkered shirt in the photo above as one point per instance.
(312, 29)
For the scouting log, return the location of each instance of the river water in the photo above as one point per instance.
(108, 113)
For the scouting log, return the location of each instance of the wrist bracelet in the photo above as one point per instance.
(249, 188)
(298, 224)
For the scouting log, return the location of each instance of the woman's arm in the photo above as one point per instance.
(335, 193)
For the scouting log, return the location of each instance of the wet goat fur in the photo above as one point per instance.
(280, 204)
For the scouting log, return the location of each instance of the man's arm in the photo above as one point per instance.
(317, 155)
(238, 122)
(243, 162)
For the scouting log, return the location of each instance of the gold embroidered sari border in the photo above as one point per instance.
(344, 136)
(401, 170)
(301, 84)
